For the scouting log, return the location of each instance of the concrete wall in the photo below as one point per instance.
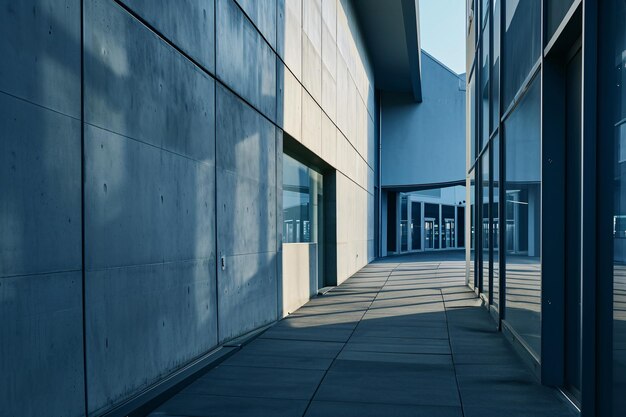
(126, 183)
(425, 143)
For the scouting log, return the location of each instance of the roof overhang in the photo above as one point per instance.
(391, 32)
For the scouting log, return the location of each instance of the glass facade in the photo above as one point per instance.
(618, 120)
(404, 220)
(549, 168)
(486, 229)
(522, 44)
(429, 219)
(506, 117)
(522, 186)
(302, 198)
(495, 223)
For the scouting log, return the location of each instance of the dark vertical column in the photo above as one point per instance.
(330, 228)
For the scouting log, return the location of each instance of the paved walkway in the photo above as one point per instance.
(402, 337)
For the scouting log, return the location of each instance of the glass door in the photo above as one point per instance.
(429, 233)
(448, 237)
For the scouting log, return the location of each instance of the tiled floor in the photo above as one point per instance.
(402, 337)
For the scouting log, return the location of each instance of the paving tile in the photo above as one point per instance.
(295, 348)
(397, 345)
(393, 357)
(396, 339)
(348, 409)
(198, 405)
(278, 361)
(392, 383)
(240, 381)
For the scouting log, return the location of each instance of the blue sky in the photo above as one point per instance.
(442, 26)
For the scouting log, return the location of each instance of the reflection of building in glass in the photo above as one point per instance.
(431, 220)
(544, 140)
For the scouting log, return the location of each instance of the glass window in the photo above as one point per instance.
(431, 232)
(495, 224)
(495, 66)
(404, 216)
(485, 229)
(484, 89)
(523, 202)
(416, 225)
(460, 227)
(472, 118)
(448, 227)
(619, 217)
(302, 190)
(471, 181)
(522, 43)
(556, 11)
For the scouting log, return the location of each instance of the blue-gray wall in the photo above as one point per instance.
(125, 181)
(424, 143)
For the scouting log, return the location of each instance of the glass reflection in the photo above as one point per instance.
(471, 182)
(619, 217)
(495, 224)
(485, 223)
(302, 191)
(404, 215)
(523, 201)
(522, 44)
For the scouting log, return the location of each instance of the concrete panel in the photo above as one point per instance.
(41, 53)
(329, 17)
(290, 34)
(137, 86)
(311, 124)
(245, 62)
(246, 140)
(312, 48)
(41, 343)
(311, 68)
(189, 24)
(144, 322)
(246, 214)
(143, 204)
(329, 141)
(312, 22)
(292, 105)
(343, 90)
(263, 15)
(329, 72)
(40, 182)
(246, 217)
(246, 178)
(247, 289)
(299, 279)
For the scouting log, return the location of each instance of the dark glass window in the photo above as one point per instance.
(448, 227)
(495, 224)
(522, 43)
(485, 227)
(484, 88)
(472, 118)
(556, 11)
(471, 195)
(302, 189)
(404, 217)
(523, 202)
(495, 66)
(619, 216)
(416, 225)
(431, 226)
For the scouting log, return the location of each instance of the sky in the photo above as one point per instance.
(442, 31)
